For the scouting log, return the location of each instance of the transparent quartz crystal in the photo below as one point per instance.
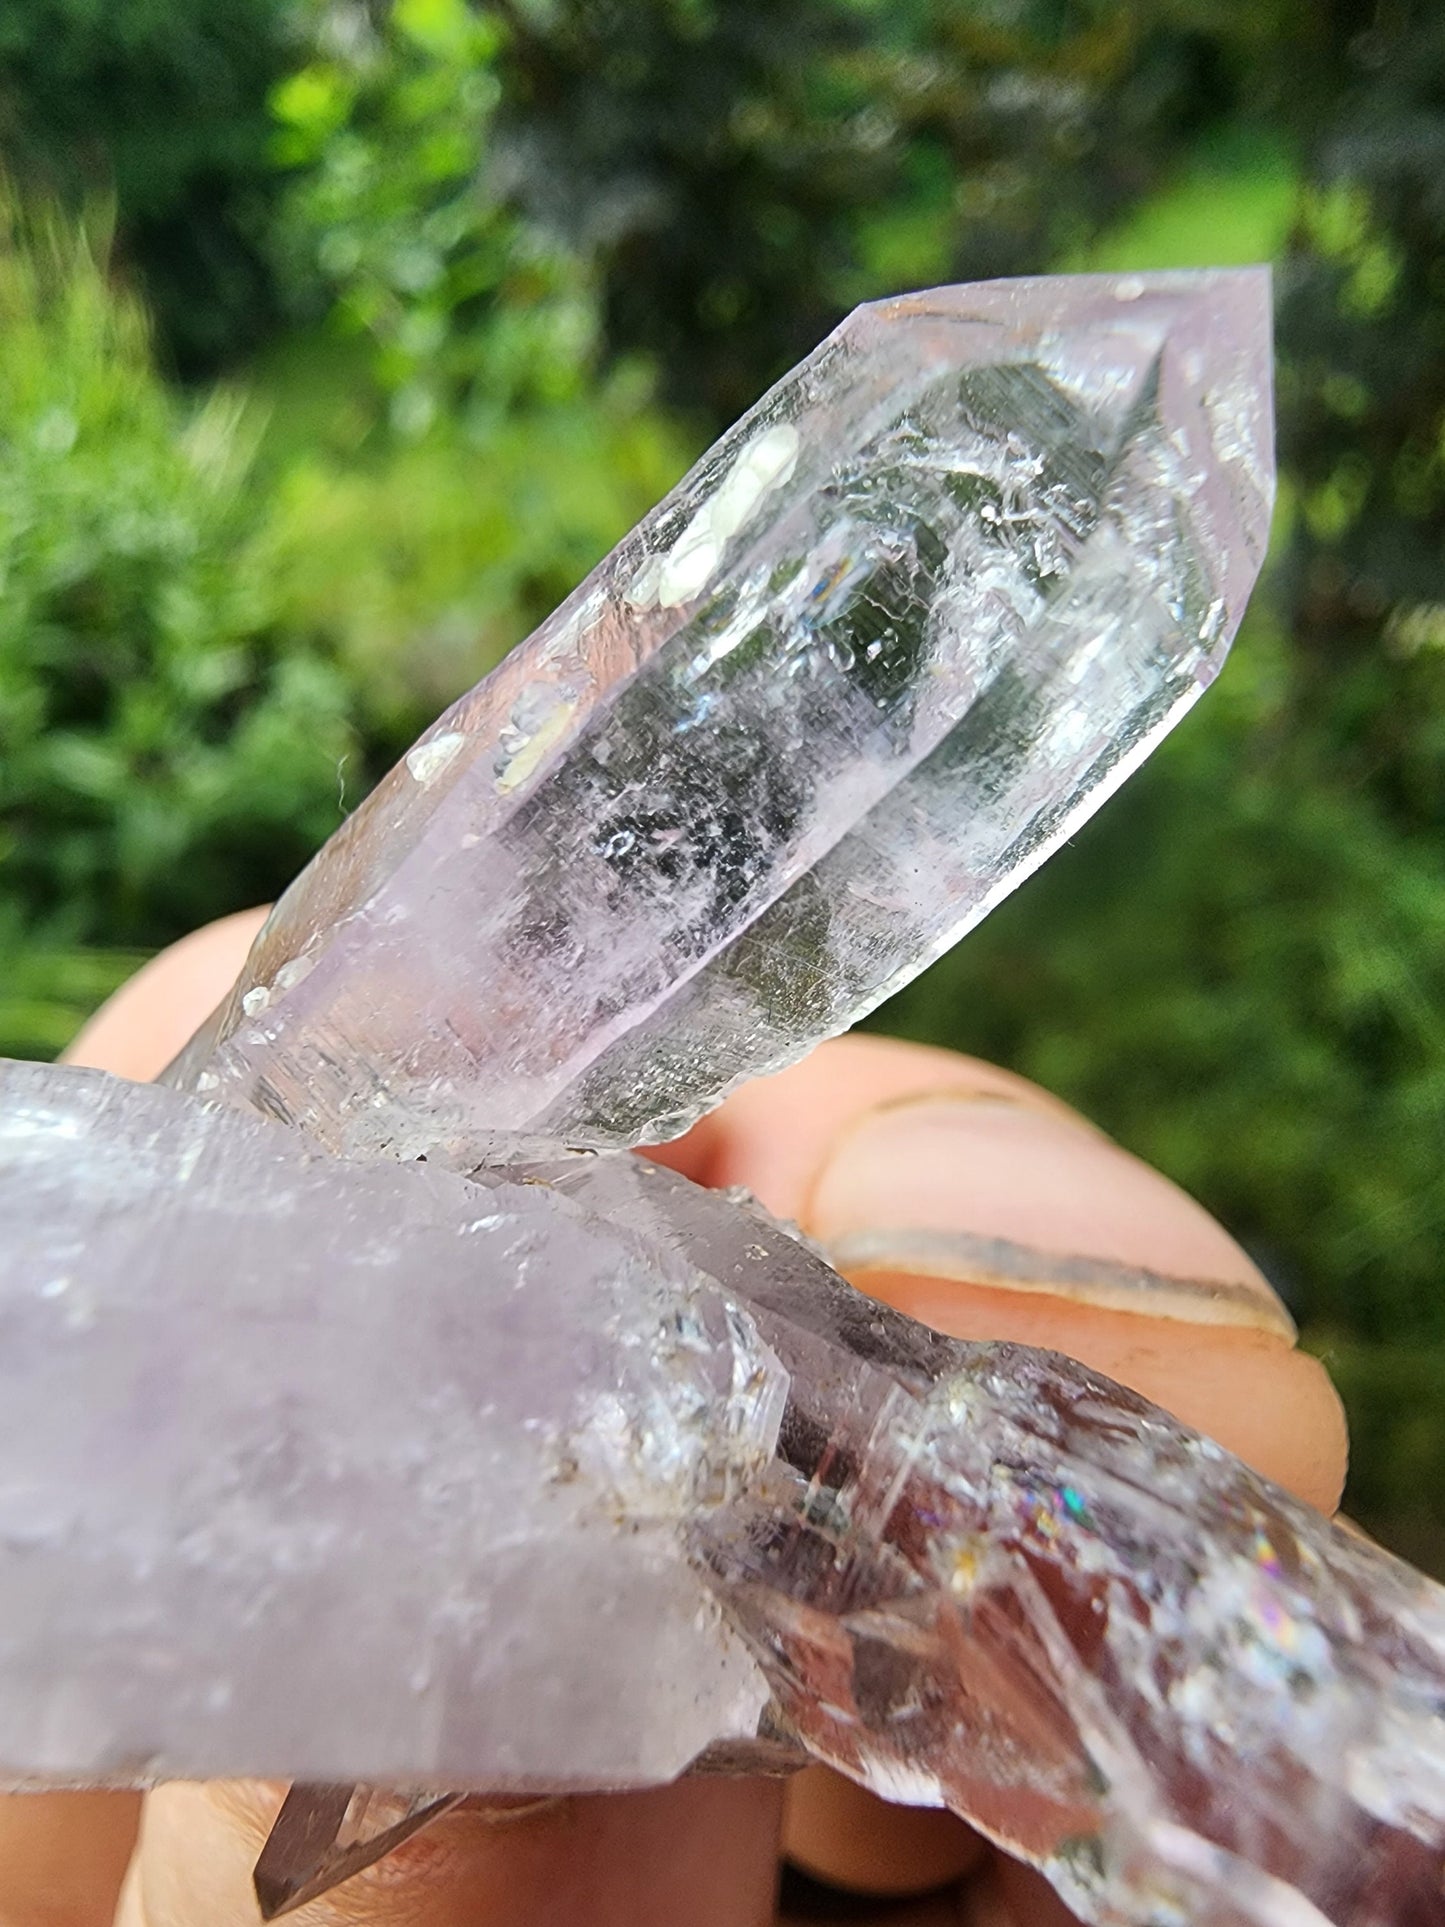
(895, 636)
(313, 1465)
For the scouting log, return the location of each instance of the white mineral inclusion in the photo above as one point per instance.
(530, 750)
(427, 761)
(295, 972)
(765, 464)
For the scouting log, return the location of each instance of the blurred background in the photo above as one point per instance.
(338, 338)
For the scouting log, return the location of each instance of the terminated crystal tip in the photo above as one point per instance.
(326, 1834)
(894, 637)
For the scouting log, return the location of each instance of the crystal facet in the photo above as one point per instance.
(293, 1453)
(438, 1413)
(908, 624)
(335, 1832)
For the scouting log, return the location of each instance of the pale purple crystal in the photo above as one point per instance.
(294, 1454)
(309, 1465)
(907, 625)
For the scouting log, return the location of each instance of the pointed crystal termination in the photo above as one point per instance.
(307, 1519)
(896, 635)
(335, 1832)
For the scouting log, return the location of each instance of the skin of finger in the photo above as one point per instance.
(1026, 1898)
(840, 1833)
(62, 1856)
(1010, 1895)
(701, 1851)
(139, 1030)
(1277, 1410)
(1270, 1405)
(773, 1133)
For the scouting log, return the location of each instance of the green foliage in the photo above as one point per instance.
(458, 545)
(1231, 202)
(162, 750)
(473, 462)
(48, 989)
(744, 174)
(162, 105)
(392, 212)
(1363, 415)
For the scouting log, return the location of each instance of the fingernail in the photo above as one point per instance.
(1014, 1196)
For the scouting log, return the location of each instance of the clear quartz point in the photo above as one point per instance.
(326, 1834)
(894, 637)
(311, 1464)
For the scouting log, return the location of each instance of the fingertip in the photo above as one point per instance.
(63, 1857)
(774, 1134)
(137, 1031)
(976, 1204)
(1251, 1391)
(842, 1834)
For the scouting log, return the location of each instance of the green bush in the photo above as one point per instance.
(743, 174)
(164, 751)
(162, 104)
(391, 216)
(48, 989)
(458, 546)
(476, 462)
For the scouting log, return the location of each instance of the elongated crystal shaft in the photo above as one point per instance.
(245, 1457)
(893, 638)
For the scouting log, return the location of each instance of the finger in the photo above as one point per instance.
(1010, 1895)
(774, 1134)
(1001, 1219)
(849, 1838)
(701, 1851)
(1025, 1898)
(987, 1209)
(984, 1206)
(139, 1030)
(62, 1856)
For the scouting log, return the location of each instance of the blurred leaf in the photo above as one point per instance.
(138, 652)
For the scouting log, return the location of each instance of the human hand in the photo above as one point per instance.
(955, 1191)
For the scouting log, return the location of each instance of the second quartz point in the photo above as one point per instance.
(893, 638)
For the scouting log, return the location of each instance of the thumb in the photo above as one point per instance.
(982, 1206)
